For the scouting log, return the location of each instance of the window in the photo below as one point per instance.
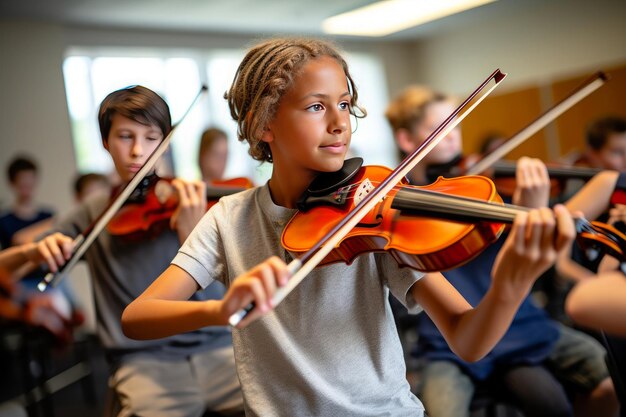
(90, 76)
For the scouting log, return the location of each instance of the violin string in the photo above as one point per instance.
(471, 205)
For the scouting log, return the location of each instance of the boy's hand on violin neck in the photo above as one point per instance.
(531, 248)
(191, 206)
(257, 286)
(532, 183)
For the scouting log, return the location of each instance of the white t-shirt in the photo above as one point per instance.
(331, 347)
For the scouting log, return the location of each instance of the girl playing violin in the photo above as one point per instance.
(331, 347)
(182, 375)
(533, 359)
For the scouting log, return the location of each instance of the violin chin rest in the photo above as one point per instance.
(328, 182)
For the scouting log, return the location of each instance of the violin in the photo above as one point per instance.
(429, 228)
(148, 210)
(502, 173)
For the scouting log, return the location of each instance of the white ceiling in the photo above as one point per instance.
(229, 16)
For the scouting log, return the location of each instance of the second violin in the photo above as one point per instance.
(149, 209)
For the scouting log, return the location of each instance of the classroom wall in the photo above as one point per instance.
(34, 117)
(538, 42)
(542, 42)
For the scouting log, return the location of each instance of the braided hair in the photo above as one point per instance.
(266, 73)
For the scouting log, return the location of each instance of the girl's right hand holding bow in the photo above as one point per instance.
(258, 285)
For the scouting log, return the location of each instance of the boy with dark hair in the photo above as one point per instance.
(182, 375)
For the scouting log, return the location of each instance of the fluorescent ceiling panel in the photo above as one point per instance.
(386, 17)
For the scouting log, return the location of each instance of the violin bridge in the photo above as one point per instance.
(362, 191)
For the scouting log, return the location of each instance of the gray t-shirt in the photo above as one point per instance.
(331, 347)
(121, 270)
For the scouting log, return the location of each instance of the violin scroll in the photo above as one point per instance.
(599, 239)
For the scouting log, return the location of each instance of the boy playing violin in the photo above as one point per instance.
(182, 375)
(535, 355)
(331, 347)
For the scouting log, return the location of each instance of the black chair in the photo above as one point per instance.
(37, 369)
(616, 362)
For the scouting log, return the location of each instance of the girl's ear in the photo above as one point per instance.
(105, 143)
(267, 136)
(404, 140)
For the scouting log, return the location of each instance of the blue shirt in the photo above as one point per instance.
(529, 339)
(11, 224)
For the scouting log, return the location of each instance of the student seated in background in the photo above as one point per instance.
(594, 202)
(533, 360)
(183, 375)
(27, 216)
(606, 144)
(597, 299)
(213, 154)
(331, 347)
(89, 184)
(83, 186)
(23, 178)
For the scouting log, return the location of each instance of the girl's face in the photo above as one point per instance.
(311, 129)
(130, 144)
(450, 146)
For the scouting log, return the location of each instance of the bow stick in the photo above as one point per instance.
(589, 86)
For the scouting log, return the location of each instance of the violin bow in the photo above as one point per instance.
(300, 267)
(83, 241)
(587, 87)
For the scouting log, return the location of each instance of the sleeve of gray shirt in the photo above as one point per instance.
(202, 254)
(399, 280)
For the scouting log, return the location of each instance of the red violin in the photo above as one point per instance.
(148, 211)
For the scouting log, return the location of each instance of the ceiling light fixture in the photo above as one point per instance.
(386, 17)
